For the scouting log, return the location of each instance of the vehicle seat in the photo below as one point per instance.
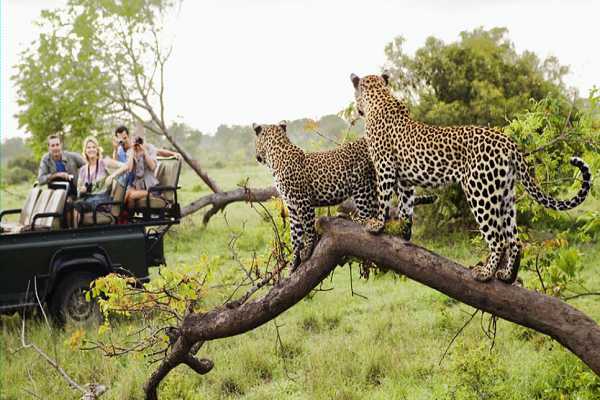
(39, 208)
(56, 204)
(104, 217)
(164, 195)
(25, 212)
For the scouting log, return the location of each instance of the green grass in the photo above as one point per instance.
(334, 345)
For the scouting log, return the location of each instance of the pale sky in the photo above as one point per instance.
(238, 62)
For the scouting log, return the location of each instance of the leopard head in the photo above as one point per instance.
(373, 89)
(268, 136)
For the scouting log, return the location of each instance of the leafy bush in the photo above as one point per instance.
(17, 175)
(552, 140)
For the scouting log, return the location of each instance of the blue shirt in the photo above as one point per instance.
(121, 154)
(60, 166)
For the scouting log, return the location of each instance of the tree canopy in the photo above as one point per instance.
(71, 80)
(480, 79)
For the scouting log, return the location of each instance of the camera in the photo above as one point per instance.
(139, 140)
(88, 187)
(121, 142)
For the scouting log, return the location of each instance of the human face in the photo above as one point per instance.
(91, 151)
(124, 137)
(55, 148)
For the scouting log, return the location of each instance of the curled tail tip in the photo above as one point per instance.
(578, 162)
(585, 170)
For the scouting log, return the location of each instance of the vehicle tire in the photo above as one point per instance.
(68, 303)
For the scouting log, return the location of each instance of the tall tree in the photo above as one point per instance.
(480, 79)
(113, 49)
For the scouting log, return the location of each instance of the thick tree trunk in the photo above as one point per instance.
(342, 238)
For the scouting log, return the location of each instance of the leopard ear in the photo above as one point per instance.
(257, 128)
(283, 125)
(386, 77)
(355, 80)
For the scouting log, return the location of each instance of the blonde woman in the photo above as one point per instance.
(94, 180)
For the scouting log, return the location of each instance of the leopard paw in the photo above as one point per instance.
(482, 273)
(359, 220)
(504, 274)
(374, 225)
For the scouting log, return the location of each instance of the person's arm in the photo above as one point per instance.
(81, 181)
(117, 166)
(115, 143)
(167, 153)
(149, 156)
(130, 159)
(45, 175)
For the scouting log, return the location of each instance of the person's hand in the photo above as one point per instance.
(140, 149)
(83, 189)
(115, 142)
(178, 156)
(62, 175)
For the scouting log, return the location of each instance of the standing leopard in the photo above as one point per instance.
(485, 162)
(326, 178)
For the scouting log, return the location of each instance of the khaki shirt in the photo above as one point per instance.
(73, 161)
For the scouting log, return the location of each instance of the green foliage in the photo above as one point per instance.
(475, 376)
(61, 88)
(173, 291)
(14, 148)
(554, 140)
(571, 381)
(67, 79)
(480, 79)
(557, 266)
(18, 170)
(334, 346)
(15, 175)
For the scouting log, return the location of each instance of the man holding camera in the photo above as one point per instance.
(122, 143)
(141, 163)
(59, 165)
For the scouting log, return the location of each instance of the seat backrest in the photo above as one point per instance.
(41, 204)
(167, 173)
(26, 211)
(117, 193)
(56, 204)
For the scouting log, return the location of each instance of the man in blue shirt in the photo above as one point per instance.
(121, 144)
(58, 164)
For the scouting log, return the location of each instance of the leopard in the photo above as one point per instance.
(482, 160)
(306, 180)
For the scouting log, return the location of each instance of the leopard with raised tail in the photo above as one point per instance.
(486, 163)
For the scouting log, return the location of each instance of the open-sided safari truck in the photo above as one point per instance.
(41, 258)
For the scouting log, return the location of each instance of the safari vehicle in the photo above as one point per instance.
(44, 261)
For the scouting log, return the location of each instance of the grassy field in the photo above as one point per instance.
(334, 345)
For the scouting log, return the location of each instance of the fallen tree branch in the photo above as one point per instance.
(342, 238)
(218, 201)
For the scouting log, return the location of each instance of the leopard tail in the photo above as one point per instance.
(534, 191)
